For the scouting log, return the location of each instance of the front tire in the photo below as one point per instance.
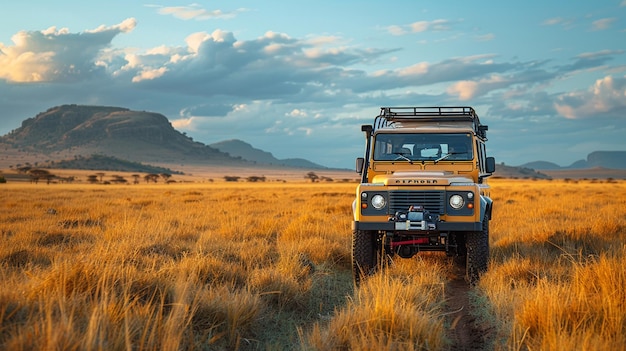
(365, 254)
(477, 244)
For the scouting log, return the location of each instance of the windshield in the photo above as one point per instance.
(423, 147)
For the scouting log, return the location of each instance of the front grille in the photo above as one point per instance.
(401, 200)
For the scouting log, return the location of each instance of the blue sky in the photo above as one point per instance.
(298, 78)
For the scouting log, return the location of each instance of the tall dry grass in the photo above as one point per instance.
(169, 266)
(267, 266)
(398, 309)
(558, 269)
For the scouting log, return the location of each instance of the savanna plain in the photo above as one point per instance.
(267, 266)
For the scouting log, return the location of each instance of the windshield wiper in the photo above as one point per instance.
(445, 156)
(400, 155)
(448, 155)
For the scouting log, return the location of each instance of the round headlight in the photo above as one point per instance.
(456, 201)
(378, 201)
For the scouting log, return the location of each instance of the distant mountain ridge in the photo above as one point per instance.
(503, 171)
(239, 148)
(540, 165)
(596, 159)
(137, 136)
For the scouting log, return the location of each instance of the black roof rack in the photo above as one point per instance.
(389, 115)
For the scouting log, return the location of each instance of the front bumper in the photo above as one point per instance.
(439, 227)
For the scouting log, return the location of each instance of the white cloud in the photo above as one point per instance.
(50, 31)
(565, 23)
(307, 131)
(416, 69)
(419, 27)
(599, 54)
(323, 40)
(486, 37)
(196, 12)
(195, 40)
(553, 21)
(603, 23)
(149, 74)
(297, 113)
(57, 55)
(222, 36)
(126, 26)
(606, 98)
(183, 123)
(396, 30)
(436, 25)
(467, 90)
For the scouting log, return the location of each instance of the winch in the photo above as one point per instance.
(416, 218)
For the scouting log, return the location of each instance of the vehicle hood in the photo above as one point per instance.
(420, 178)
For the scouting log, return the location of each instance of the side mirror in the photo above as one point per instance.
(360, 161)
(491, 165)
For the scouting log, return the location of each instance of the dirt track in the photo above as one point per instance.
(465, 332)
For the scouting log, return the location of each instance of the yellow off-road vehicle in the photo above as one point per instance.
(423, 188)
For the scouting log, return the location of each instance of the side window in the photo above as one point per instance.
(483, 160)
(484, 156)
(481, 156)
(382, 148)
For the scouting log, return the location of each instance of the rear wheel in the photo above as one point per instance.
(365, 254)
(477, 244)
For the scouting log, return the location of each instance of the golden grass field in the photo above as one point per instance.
(247, 266)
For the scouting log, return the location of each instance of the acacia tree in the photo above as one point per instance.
(23, 169)
(311, 175)
(151, 178)
(118, 179)
(255, 179)
(36, 174)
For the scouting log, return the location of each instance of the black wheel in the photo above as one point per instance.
(365, 254)
(477, 244)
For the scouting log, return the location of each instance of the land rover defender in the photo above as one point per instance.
(423, 188)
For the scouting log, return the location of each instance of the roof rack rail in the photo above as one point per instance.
(416, 112)
(389, 115)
